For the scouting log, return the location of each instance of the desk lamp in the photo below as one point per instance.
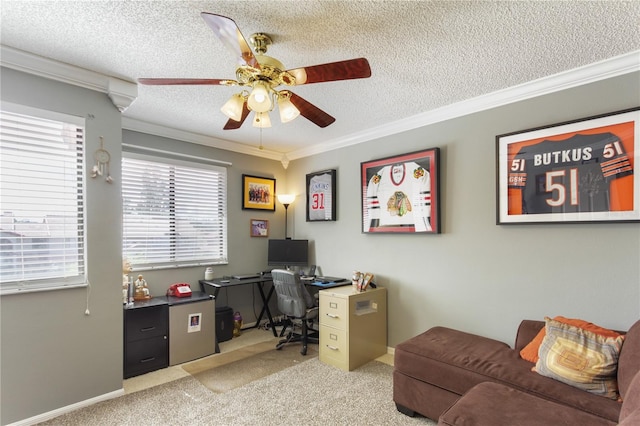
(286, 200)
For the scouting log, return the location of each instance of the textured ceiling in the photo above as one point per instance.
(423, 54)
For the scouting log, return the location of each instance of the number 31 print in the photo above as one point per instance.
(321, 196)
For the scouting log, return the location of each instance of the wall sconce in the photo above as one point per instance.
(286, 200)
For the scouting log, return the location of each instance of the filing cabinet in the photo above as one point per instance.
(353, 326)
(146, 344)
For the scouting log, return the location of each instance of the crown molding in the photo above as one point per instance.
(122, 93)
(172, 133)
(613, 67)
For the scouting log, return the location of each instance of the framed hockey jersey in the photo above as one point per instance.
(401, 194)
(577, 171)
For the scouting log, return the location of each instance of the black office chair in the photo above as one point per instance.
(295, 302)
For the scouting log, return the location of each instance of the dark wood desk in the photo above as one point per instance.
(219, 283)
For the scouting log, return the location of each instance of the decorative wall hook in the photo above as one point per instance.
(101, 166)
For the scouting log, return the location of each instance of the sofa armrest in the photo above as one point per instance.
(527, 330)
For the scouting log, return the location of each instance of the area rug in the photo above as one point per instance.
(309, 393)
(251, 363)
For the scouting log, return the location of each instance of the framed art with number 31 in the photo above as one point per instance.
(321, 196)
(571, 172)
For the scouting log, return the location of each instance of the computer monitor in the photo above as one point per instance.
(288, 253)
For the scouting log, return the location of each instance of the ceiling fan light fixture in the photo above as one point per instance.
(288, 111)
(262, 120)
(260, 98)
(233, 107)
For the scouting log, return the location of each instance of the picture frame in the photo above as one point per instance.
(401, 194)
(194, 322)
(321, 196)
(366, 281)
(259, 228)
(258, 193)
(579, 171)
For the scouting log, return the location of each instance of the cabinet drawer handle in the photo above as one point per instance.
(147, 359)
(333, 348)
(147, 329)
(333, 316)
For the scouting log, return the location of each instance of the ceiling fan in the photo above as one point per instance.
(261, 75)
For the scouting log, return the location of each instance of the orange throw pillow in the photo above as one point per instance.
(530, 352)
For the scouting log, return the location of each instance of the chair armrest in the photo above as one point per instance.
(527, 330)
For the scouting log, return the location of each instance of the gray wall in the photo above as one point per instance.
(52, 354)
(475, 276)
(246, 254)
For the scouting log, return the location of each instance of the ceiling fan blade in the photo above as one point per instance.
(171, 81)
(229, 34)
(334, 71)
(311, 112)
(233, 124)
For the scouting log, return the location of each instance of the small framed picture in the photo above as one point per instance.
(259, 228)
(321, 196)
(401, 194)
(367, 280)
(258, 193)
(571, 172)
(195, 323)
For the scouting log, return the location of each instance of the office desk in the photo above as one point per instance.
(217, 284)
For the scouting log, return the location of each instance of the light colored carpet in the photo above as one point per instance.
(309, 393)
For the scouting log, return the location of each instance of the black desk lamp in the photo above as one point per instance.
(286, 200)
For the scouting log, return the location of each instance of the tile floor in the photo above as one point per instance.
(247, 338)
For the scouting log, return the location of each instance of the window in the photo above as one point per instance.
(42, 238)
(174, 212)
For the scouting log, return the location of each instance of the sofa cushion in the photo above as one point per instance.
(629, 361)
(580, 358)
(491, 404)
(631, 403)
(530, 352)
(456, 361)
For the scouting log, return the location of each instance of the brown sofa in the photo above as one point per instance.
(433, 370)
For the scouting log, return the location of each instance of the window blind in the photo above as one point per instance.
(174, 212)
(42, 243)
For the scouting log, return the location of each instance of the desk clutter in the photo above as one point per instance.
(361, 280)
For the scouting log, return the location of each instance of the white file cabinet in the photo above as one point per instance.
(353, 326)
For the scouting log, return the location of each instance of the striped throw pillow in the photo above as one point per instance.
(580, 358)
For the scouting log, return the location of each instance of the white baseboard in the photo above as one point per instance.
(69, 408)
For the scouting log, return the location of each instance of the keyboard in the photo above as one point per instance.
(326, 280)
(245, 276)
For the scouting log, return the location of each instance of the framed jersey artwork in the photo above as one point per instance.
(571, 172)
(401, 194)
(321, 196)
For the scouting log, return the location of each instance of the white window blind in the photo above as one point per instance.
(42, 242)
(174, 212)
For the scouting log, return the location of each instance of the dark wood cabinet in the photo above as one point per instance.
(146, 339)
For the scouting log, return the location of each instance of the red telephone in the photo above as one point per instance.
(179, 290)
